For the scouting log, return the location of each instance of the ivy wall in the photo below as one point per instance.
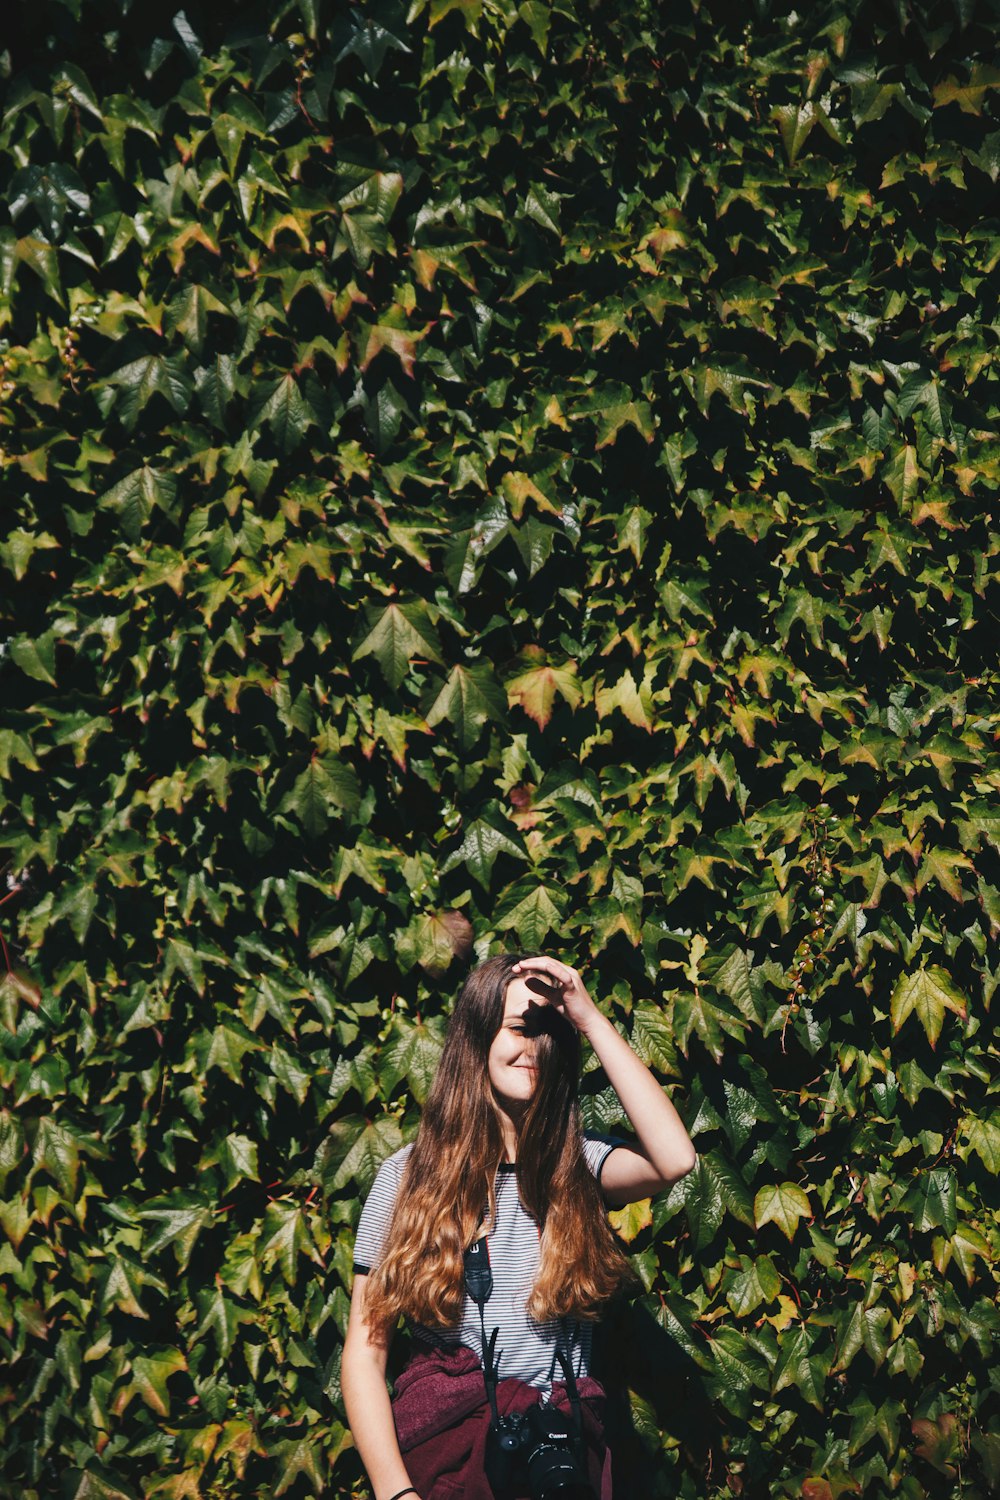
(492, 475)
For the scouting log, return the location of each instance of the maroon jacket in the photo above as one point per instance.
(442, 1421)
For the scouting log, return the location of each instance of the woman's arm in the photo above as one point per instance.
(369, 1411)
(666, 1151)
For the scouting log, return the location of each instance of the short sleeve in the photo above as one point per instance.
(376, 1216)
(597, 1148)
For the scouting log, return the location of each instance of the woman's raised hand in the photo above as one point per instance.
(564, 988)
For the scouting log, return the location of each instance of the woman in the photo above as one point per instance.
(499, 1157)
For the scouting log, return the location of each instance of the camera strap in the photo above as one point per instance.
(572, 1391)
(479, 1285)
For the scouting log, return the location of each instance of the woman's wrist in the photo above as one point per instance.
(596, 1026)
(400, 1493)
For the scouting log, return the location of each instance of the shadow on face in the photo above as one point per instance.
(545, 1020)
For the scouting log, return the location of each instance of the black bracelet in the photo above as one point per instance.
(400, 1493)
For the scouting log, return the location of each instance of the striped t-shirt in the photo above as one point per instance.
(526, 1348)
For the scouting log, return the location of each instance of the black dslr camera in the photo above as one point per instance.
(537, 1445)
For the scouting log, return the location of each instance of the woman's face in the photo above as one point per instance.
(512, 1069)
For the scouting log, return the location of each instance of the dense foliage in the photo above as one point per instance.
(498, 475)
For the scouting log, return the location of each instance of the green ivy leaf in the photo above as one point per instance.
(36, 658)
(225, 1048)
(411, 1051)
(181, 1220)
(57, 1152)
(221, 1318)
(366, 1153)
(479, 850)
(135, 496)
(396, 635)
(470, 699)
(982, 1135)
(142, 379)
(238, 1157)
(295, 1457)
(326, 787)
(653, 1040)
(533, 917)
(284, 1237)
(932, 1201)
(285, 410)
(755, 1282)
(783, 1204)
(927, 993)
(801, 1366)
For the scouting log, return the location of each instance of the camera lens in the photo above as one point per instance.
(553, 1469)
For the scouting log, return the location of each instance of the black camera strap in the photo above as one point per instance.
(572, 1391)
(479, 1285)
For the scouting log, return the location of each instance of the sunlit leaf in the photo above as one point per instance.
(783, 1204)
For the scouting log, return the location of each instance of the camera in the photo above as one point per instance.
(538, 1446)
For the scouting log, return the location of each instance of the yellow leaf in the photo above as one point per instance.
(518, 488)
(635, 702)
(787, 1311)
(629, 1221)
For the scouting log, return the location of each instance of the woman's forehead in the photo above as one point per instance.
(523, 992)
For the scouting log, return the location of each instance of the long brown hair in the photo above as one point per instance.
(451, 1169)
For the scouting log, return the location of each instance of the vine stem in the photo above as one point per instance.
(6, 952)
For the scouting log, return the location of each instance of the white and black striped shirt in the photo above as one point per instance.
(528, 1348)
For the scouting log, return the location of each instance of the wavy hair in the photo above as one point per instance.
(450, 1173)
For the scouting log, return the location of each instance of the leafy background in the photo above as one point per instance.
(492, 475)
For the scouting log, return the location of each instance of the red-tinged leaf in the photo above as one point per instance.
(942, 866)
(402, 342)
(123, 1286)
(16, 1218)
(433, 940)
(183, 1486)
(12, 1146)
(903, 474)
(535, 689)
(939, 1442)
(150, 1373)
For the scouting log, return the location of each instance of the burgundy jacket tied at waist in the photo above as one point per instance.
(442, 1421)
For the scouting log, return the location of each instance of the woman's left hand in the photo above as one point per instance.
(564, 988)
